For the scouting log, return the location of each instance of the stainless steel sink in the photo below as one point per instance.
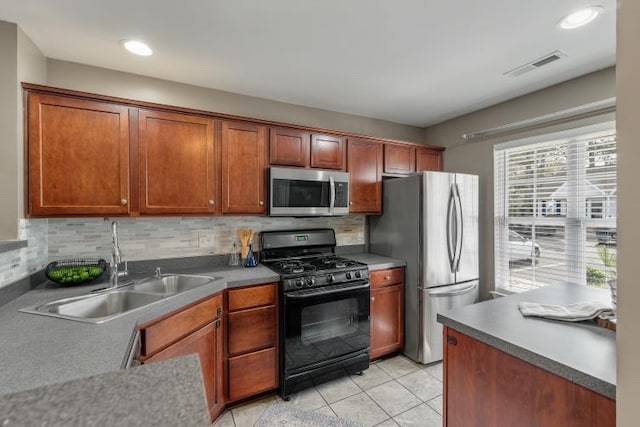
(95, 308)
(112, 303)
(172, 283)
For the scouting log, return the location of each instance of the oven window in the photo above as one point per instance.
(329, 320)
(291, 193)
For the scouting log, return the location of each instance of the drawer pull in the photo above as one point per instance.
(212, 202)
(123, 202)
(387, 277)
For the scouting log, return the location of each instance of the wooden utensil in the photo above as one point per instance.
(245, 235)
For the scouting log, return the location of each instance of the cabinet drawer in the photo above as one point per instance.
(251, 330)
(158, 334)
(382, 278)
(252, 373)
(254, 296)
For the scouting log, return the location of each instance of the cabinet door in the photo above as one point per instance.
(207, 343)
(251, 330)
(177, 163)
(493, 388)
(289, 147)
(252, 373)
(327, 152)
(364, 164)
(78, 157)
(428, 160)
(387, 320)
(243, 168)
(399, 159)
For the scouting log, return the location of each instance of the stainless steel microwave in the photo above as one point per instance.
(308, 192)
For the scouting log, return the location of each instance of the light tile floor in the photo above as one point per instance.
(392, 392)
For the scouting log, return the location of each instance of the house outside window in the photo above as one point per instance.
(555, 209)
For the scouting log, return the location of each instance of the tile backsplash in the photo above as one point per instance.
(14, 265)
(148, 238)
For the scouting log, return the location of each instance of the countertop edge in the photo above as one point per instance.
(585, 380)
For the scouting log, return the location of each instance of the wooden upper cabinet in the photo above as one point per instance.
(243, 148)
(176, 163)
(289, 147)
(78, 156)
(428, 159)
(364, 164)
(327, 152)
(399, 159)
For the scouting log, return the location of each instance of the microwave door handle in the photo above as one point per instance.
(332, 195)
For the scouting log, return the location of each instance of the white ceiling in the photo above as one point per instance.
(417, 62)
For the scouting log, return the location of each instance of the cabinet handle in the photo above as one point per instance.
(261, 203)
(373, 298)
(217, 323)
(387, 277)
(212, 202)
(219, 311)
(124, 202)
(350, 203)
(452, 340)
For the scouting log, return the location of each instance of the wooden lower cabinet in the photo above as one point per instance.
(484, 386)
(252, 341)
(197, 329)
(387, 311)
(207, 343)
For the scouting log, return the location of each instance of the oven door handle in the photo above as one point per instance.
(299, 295)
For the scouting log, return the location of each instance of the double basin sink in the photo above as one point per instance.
(111, 303)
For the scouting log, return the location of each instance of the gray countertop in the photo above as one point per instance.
(164, 393)
(581, 352)
(40, 350)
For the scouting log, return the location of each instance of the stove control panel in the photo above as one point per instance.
(319, 279)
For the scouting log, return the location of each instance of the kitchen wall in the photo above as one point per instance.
(86, 78)
(149, 238)
(628, 128)
(477, 157)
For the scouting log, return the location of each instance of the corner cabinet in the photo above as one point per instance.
(387, 311)
(177, 163)
(78, 157)
(487, 387)
(364, 164)
(197, 329)
(243, 147)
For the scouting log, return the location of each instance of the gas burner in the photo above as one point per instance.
(292, 267)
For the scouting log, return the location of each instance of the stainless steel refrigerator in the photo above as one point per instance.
(430, 220)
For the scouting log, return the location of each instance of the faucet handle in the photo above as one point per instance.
(158, 272)
(125, 272)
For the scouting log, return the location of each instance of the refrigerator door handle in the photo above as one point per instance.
(451, 251)
(453, 293)
(459, 228)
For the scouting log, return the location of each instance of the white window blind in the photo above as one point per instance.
(555, 211)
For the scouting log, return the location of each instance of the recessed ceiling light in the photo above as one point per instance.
(137, 47)
(580, 17)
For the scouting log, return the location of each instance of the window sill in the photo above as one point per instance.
(12, 245)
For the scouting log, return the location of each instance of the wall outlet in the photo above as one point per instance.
(206, 240)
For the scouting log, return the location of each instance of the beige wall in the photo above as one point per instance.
(86, 78)
(20, 60)
(628, 123)
(32, 67)
(477, 157)
(8, 131)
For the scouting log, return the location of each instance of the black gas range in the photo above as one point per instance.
(324, 308)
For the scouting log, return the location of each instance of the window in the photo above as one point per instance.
(555, 209)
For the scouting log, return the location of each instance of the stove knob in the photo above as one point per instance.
(348, 276)
(311, 281)
(358, 274)
(299, 283)
(330, 278)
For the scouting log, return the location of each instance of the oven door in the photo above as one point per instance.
(322, 325)
(306, 192)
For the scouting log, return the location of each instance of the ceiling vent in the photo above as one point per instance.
(535, 64)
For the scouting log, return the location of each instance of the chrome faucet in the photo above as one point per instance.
(116, 258)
